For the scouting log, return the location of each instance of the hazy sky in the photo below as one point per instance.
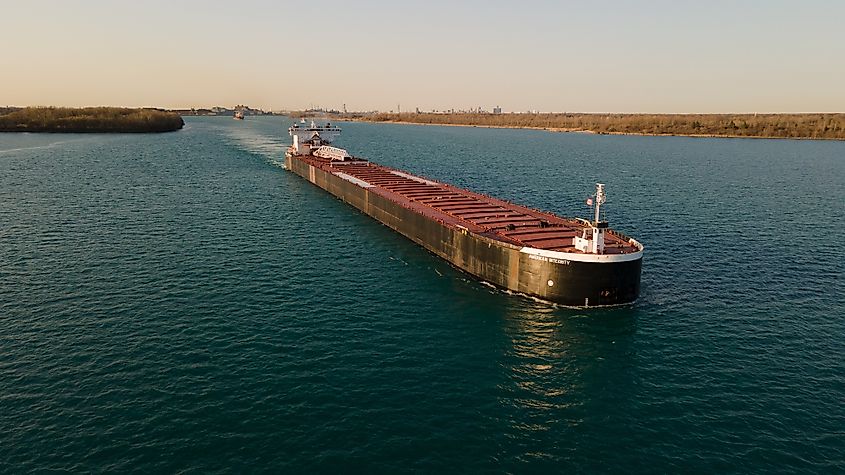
(619, 56)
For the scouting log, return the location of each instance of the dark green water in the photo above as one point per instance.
(179, 302)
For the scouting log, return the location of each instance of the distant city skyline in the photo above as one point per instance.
(616, 56)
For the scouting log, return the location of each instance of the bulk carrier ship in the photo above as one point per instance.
(570, 261)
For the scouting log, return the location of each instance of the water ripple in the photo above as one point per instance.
(177, 303)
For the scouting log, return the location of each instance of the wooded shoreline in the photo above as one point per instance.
(88, 120)
(792, 126)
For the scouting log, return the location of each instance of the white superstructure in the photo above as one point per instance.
(309, 138)
(592, 238)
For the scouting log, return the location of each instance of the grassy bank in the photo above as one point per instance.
(88, 119)
(803, 126)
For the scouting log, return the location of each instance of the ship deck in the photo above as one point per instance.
(491, 217)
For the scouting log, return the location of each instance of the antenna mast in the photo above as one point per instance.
(601, 198)
(592, 236)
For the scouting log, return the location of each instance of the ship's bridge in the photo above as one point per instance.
(308, 137)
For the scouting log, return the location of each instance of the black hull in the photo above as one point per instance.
(528, 271)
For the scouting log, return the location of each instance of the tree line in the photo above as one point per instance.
(805, 126)
(88, 119)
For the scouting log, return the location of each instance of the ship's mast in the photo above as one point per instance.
(601, 198)
(591, 240)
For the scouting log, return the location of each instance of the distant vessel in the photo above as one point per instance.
(574, 262)
(239, 115)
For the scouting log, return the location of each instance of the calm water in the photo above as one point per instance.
(179, 302)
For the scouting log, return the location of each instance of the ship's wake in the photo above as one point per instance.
(266, 146)
(36, 147)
